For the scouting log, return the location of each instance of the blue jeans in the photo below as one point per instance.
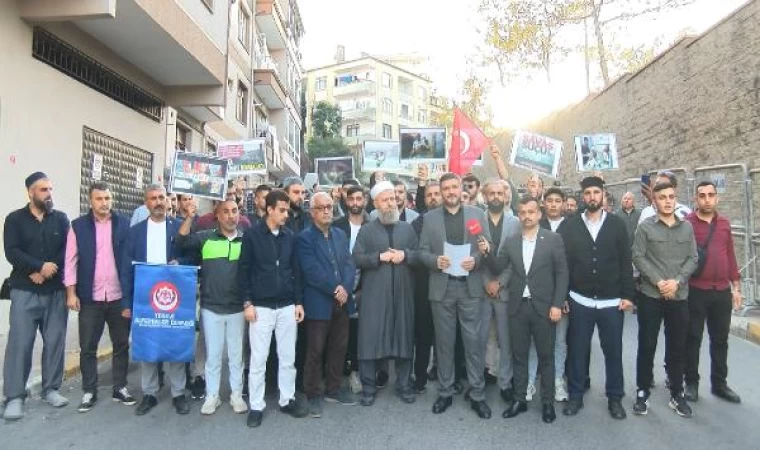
(220, 329)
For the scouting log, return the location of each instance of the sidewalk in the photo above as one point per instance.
(71, 365)
(747, 327)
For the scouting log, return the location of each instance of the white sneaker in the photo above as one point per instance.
(238, 404)
(355, 382)
(56, 400)
(531, 392)
(560, 390)
(209, 406)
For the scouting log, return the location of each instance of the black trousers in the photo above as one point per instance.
(713, 307)
(92, 320)
(675, 314)
(527, 324)
(352, 352)
(423, 338)
(609, 322)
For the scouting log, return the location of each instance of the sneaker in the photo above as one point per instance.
(209, 406)
(560, 390)
(381, 379)
(355, 383)
(295, 408)
(254, 419)
(315, 407)
(341, 396)
(238, 404)
(691, 393)
(123, 396)
(56, 400)
(88, 401)
(641, 407)
(530, 392)
(419, 388)
(14, 409)
(407, 395)
(679, 405)
(198, 391)
(181, 405)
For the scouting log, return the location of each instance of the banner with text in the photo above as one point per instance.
(163, 313)
(199, 175)
(538, 153)
(246, 157)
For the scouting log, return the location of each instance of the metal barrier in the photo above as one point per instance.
(684, 191)
(619, 188)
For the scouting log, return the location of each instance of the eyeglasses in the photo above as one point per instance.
(322, 208)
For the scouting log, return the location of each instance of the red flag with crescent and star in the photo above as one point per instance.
(467, 143)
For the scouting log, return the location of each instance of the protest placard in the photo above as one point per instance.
(246, 157)
(538, 153)
(596, 152)
(332, 171)
(199, 175)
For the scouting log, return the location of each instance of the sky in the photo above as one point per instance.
(449, 35)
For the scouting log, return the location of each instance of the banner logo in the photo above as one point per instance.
(164, 297)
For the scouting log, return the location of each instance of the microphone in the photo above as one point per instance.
(473, 226)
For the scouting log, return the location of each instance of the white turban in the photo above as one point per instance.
(381, 187)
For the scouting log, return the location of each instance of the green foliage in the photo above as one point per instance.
(326, 120)
(327, 147)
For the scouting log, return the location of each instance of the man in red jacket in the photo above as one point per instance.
(712, 293)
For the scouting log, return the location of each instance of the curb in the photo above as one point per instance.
(745, 328)
(71, 369)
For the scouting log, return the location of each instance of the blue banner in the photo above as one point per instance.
(163, 313)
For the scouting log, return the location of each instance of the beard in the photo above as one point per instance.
(389, 217)
(44, 205)
(496, 206)
(355, 210)
(593, 207)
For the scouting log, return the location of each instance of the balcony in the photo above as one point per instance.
(291, 164)
(270, 21)
(360, 87)
(273, 157)
(366, 113)
(266, 78)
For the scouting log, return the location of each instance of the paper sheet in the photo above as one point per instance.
(457, 254)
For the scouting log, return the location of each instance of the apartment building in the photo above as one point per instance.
(375, 96)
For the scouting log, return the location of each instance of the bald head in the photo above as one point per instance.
(627, 201)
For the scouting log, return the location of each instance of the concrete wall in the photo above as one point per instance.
(696, 105)
(43, 111)
(214, 23)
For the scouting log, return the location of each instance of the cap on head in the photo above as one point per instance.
(33, 178)
(381, 187)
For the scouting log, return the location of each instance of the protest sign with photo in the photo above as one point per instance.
(332, 171)
(163, 313)
(246, 157)
(422, 143)
(538, 153)
(596, 152)
(381, 155)
(199, 175)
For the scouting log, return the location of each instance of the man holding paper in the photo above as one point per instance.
(456, 290)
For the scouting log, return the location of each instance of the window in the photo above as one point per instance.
(387, 106)
(422, 116)
(209, 4)
(405, 114)
(241, 110)
(422, 92)
(244, 27)
(387, 131)
(180, 142)
(352, 130)
(211, 147)
(387, 80)
(321, 84)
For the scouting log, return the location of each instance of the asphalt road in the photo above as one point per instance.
(389, 424)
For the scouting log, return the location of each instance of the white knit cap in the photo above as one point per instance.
(381, 187)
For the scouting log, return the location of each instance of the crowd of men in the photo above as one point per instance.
(327, 297)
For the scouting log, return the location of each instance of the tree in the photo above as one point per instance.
(327, 147)
(473, 102)
(326, 120)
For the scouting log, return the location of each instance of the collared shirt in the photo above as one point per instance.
(554, 224)
(454, 224)
(496, 229)
(663, 252)
(528, 250)
(156, 241)
(354, 232)
(105, 283)
(594, 227)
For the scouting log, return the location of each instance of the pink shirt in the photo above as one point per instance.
(106, 285)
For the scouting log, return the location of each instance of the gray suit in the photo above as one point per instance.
(452, 298)
(547, 280)
(497, 307)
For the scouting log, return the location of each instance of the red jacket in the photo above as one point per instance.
(720, 266)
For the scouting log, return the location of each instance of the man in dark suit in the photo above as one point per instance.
(536, 269)
(153, 241)
(328, 277)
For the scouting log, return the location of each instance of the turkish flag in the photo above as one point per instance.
(467, 143)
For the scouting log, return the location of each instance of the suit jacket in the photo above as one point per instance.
(548, 277)
(319, 278)
(138, 252)
(431, 247)
(510, 226)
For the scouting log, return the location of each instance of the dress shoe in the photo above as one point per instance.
(548, 415)
(573, 406)
(726, 393)
(148, 402)
(515, 409)
(616, 409)
(691, 392)
(367, 400)
(481, 408)
(254, 419)
(442, 404)
(181, 405)
(508, 395)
